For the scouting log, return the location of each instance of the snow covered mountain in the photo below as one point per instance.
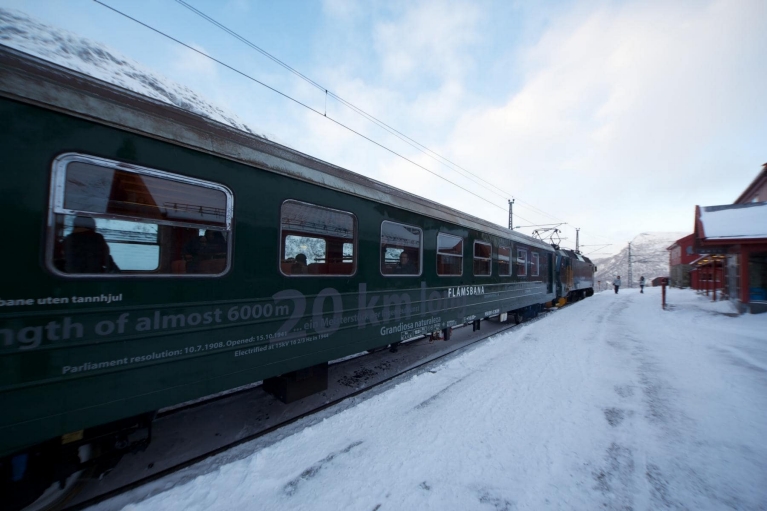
(649, 257)
(19, 31)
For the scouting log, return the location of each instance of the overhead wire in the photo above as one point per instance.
(298, 102)
(408, 140)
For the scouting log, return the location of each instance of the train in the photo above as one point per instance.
(156, 257)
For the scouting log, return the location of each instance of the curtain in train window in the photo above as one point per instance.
(534, 264)
(449, 255)
(316, 240)
(112, 219)
(483, 262)
(400, 249)
(521, 262)
(504, 261)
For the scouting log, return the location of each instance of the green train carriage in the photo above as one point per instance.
(154, 257)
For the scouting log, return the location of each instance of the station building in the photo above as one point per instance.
(681, 256)
(731, 243)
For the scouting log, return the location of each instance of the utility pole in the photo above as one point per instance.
(631, 274)
(511, 219)
(577, 232)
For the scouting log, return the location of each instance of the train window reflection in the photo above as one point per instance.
(521, 262)
(316, 240)
(400, 249)
(534, 264)
(114, 221)
(504, 261)
(449, 255)
(483, 263)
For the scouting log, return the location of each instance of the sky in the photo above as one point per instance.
(617, 118)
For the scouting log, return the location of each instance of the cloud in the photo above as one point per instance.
(620, 119)
(432, 37)
(618, 109)
(190, 62)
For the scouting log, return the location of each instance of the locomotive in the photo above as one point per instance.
(157, 257)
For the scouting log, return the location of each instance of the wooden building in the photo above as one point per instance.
(733, 239)
(680, 258)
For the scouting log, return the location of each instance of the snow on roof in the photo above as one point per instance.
(734, 221)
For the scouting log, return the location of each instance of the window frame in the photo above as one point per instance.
(321, 275)
(438, 253)
(537, 265)
(56, 198)
(475, 258)
(524, 264)
(381, 251)
(511, 251)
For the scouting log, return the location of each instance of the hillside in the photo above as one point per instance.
(19, 31)
(648, 255)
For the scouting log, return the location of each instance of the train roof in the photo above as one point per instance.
(39, 82)
(574, 255)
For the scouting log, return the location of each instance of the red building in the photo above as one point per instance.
(728, 249)
(680, 258)
(733, 240)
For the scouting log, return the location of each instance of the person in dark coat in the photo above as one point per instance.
(405, 266)
(641, 284)
(299, 267)
(85, 250)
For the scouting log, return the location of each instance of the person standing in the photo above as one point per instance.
(617, 283)
(641, 284)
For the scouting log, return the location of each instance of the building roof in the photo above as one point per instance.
(733, 221)
(678, 243)
(757, 182)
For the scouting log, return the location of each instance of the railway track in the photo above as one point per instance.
(197, 431)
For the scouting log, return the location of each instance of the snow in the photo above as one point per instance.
(736, 221)
(19, 31)
(610, 403)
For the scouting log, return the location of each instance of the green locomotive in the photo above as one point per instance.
(157, 257)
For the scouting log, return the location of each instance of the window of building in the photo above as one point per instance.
(400, 249)
(316, 240)
(521, 262)
(449, 255)
(534, 264)
(111, 219)
(504, 261)
(483, 259)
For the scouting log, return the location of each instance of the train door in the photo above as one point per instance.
(550, 286)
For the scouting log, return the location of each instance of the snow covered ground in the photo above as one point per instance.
(612, 403)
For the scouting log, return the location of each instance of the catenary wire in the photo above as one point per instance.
(299, 103)
(408, 140)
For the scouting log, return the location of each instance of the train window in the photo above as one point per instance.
(110, 219)
(400, 249)
(534, 264)
(521, 262)
(504, 261)
(483, 262)
(316, 240)
(449, 255)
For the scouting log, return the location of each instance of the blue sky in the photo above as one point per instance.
(616, 117)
